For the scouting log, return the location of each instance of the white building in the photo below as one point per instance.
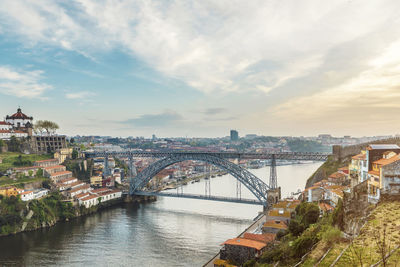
(20, 120)
(89, 201)
(26, 195)
(5, 125)
(39, 193)
(6, 134)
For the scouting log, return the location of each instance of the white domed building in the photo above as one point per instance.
(18, 125)
(19, 120)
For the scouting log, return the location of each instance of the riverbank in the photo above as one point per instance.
(17, 216)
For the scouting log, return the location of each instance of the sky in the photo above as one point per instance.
(201, 68)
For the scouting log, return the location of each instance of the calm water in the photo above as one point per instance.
(169, 232)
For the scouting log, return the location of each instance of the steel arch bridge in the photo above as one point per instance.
(254, 184)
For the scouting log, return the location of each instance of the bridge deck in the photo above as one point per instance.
(226, 155)
(194, 196)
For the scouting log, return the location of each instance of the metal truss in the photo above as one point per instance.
(273, 179)
(226, 155)
(254, 184)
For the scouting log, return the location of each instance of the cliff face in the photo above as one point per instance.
(356, 209)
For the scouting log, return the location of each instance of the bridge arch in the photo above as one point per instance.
(256, 186)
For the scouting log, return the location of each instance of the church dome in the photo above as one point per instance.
(19, 115)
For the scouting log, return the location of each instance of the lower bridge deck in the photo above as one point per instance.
(204, 197)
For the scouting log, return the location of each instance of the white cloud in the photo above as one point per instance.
(22, 83)
(210, 45)
(366, 104)
(79, 95)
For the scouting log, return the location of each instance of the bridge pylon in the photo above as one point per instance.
(273, 179)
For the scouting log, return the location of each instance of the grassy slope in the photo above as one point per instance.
(5, 181)
(10, 157)
(386, 213)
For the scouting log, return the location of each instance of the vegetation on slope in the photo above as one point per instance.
(46, 211)
(327, 168)
(15, 159)
(77, 167)
(304, 231)
(379, 236)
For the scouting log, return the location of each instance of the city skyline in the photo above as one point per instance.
(199, 69)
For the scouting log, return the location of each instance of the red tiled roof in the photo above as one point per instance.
(100, 190)
(82, 195)
(25, 192)
(54, 167)
(387, 161)
(26, 168)
(60, 173)
(46, 160)
(85, 186)
(89, 197)
(245, 243)
(11, 131)
(19, 115)
(265, 238)
(337, 175)
(275, 224)
(67, 180)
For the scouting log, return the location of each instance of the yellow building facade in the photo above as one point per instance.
(96, 181)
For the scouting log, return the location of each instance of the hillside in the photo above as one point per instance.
(327, 168)
(15, 159)
(379, 236)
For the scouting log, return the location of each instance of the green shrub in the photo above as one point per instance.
(302, 245)
(331, 235)
(338, 215)
(296, 227)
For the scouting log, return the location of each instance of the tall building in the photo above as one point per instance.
(234, 135)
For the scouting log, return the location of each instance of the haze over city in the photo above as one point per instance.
(201, 68)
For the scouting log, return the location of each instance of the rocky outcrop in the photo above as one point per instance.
(356, 209)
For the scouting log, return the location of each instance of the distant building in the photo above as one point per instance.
(48, 144)
(63, 153)
(234, 135)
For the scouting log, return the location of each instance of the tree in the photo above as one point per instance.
(46, 184)
(48, 126)
(382, 240)
(39, 173)
(74, 154)
(295, 227)
(13, 144)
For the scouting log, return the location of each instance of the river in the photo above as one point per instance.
(168, 232)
